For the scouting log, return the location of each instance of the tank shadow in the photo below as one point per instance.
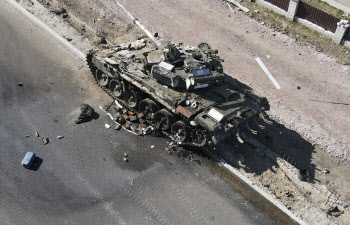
(285, 143)
(261, 151)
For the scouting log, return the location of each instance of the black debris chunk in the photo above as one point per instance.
(334, 211)
(303, 175)
(86, 114)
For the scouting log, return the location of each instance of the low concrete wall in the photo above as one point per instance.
(313, 26)
(337, 37)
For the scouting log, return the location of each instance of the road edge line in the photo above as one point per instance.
(56, 36)
(223, 163)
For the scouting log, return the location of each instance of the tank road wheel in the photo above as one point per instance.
(179, 131)
(102, 78)
(163, 119)
(116, 87)
(148, 108)
(131, 98)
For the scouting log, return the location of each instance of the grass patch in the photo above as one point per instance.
(324, 6)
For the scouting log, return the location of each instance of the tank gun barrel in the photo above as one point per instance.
(137, 22)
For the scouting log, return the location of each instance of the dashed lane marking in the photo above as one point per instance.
(263, 67)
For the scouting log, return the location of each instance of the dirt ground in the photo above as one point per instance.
(317, 112)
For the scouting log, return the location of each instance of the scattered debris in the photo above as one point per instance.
(37, 134)
(152, 146)
(303, 175)
(107, 126)
(182, 153)
(117, 126)
(334, 211)
(326, 171)
(148, 130)
(20, 84)
(268, 56)
(118, 104)
(287, 194)
(125, 154)
(45, 140)
(28, 159)
(102, 41)
(132, 182)
(127, 124)
(60, 137)
(27, 136)
(256, 11)
(86, 113)
(125, 159)
(298, 87)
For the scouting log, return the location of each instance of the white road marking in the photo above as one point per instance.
(76, 51)
(261, 64)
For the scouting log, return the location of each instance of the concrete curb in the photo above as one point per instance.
(56, 36)
(221, 162)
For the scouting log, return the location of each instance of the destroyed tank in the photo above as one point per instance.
(181, 90)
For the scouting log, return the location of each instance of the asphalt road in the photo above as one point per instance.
(82, 178)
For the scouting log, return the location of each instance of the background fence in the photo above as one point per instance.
(317, 16)
(347, 35)
(283, 4)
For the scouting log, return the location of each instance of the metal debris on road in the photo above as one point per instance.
(117, 126)
(86, 113)
(125, 159)
(107, 126)
(132, 182)
(125, 154)
(20, 84)
(326, 171)
(118, 104)
(28, 159)
(45, 140)
(152, 146)
(60, 137)
(37, 134)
